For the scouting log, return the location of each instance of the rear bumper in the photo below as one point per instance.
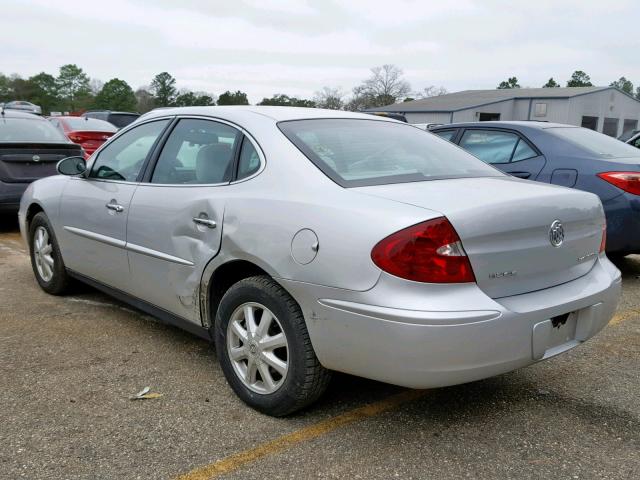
(437, 335)
(10, 194)
(623, 223)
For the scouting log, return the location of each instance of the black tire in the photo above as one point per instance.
(305, 381)
(59, 283)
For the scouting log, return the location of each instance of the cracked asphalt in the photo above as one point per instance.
(68, 366)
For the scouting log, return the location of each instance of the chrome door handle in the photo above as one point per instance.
(205, 221)
(115, 207)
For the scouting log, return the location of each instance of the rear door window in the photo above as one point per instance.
(490, 146)
(197, 152)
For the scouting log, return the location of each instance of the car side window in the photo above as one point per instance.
(523, 152)
(446, 134)
(249, 162)
(197, 152)
(490, 146)
(636, 142)
(123, 158)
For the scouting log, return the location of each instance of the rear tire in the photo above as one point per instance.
(46, 259)
(273, 369)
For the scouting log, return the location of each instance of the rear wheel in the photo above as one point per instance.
(264, 349)
(46, 260)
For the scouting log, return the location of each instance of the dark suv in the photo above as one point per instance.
(118, 119)
(30, 148)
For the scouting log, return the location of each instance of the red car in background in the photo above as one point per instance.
(89, 133)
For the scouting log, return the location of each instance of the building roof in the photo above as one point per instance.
(453, 102)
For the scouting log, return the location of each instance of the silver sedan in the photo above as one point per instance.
(303, 241)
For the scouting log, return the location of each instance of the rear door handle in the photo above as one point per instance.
(205, 221)
(520, 174)
(115, 207)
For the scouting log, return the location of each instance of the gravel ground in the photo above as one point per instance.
(68, 366)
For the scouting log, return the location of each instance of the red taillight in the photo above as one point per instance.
(603, 241)
(427, 252)
(627, 181)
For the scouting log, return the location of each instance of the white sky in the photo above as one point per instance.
(265, 47)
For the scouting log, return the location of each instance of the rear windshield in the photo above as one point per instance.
(83, 124)
(356, 153)
(122, 119)
(598, 143)
(29, 130)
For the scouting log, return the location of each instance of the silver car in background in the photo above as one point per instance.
(303, 241)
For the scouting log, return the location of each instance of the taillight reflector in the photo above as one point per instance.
(430, 252)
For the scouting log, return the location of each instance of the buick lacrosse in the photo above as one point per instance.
(303, 241)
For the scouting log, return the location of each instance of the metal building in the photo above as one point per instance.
(605, 109)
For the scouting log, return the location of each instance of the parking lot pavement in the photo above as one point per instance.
(68, 366)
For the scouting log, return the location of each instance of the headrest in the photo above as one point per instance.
(212, 163)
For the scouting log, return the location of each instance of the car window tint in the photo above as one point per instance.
(123, 157)
(359, 152)
(523, 152)
(249, 162)
(489, 146)
(446, 134)
(197, 152)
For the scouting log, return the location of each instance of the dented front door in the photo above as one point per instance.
(172, 232)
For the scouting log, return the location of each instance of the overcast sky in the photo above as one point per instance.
(296, 47)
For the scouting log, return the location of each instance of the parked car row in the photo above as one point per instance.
(87, 132)
(303, 241)
(30, 148)
(564, 155)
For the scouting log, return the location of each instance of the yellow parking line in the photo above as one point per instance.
(623, 316)
(241, 459)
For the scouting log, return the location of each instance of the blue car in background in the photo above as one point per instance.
(564, 155)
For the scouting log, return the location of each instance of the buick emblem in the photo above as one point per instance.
(556, 233)
(36, 158)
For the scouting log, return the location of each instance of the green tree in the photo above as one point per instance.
(116, 94)
(287, 101)
(551, 83)
(73, 87)
(624, 85)
(509, 83)
(44, 92)
(638, 93)
(6, 88)
(187, 98)
(579, 79)
(233, 98)
(163, 88)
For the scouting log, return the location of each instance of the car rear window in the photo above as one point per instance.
(594, 142)
(355, 153)
(26, 130)
(84, 124)
(121, 120)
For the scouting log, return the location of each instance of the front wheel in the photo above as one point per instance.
(46, 259)
(264, 348)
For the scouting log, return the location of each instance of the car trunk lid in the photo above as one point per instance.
(22, 163)
(505, 228)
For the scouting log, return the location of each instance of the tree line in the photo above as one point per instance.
(72, 90)
(578, 79)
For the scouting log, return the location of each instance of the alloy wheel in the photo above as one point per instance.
(42, 252)
(257, 348)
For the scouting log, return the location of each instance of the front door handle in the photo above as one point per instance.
(115, 207)
(205, 221)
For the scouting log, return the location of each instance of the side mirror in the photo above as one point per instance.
(71, 166)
